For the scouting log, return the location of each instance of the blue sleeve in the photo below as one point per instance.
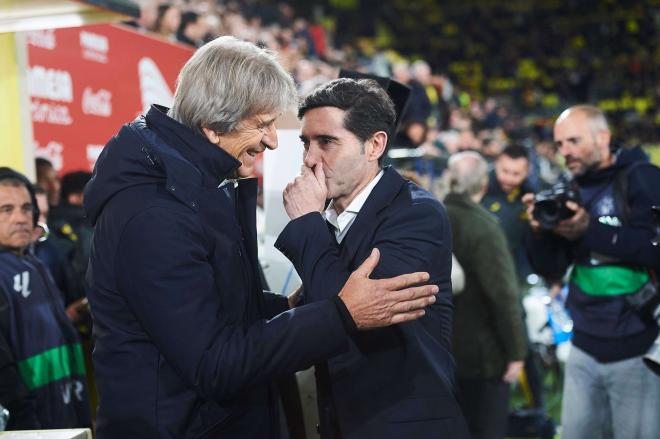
(165, 277)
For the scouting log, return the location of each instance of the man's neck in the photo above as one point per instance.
(341, 203)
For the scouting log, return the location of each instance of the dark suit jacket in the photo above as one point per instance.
(398, 381)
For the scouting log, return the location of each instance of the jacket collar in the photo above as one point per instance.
(214, 163)
(381, 196)
(460, 199)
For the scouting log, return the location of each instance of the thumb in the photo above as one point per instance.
(368, 265)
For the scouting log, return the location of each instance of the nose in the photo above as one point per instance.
(564, 149)
(310, 157)
(270, 138)
(21, 216)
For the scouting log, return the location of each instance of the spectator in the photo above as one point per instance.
(42, 372)
(48, 180)
(69, 223)
(507, 184)
(167, 21)
(608, 392)
(192, 29)
(488, 339)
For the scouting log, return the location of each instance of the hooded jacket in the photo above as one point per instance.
(610, 260)
(184, 347)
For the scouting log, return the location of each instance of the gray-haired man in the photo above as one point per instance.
(488, 338)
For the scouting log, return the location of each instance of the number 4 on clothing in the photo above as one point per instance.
(22, 283)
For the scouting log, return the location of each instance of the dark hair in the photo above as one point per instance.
(74, 183)
(515, 151)
(10, 177)
(368, 107)
(187, 18)
(42, 162)
(162, 10)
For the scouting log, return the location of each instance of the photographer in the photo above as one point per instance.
(605, 231)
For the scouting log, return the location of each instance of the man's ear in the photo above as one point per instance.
(211, 135)
(604, 138)
(375, 146)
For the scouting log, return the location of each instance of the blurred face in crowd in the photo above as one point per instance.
(582, 147)
(510, 172)
(47, 178)
(349, 164)
(15, 217)
(196, 31)
(253, 136)
(171, 20)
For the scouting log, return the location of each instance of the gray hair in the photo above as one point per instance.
(467, 172)
(228, 80)
(594, 115)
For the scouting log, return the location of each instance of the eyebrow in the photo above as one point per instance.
(319, 136)
(269, 121)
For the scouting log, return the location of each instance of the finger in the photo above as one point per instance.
(528, 198)
(413, 293)
(319, 173)
(572, 205)
(407, 316)
(405, 280)
(413, 305)
(369, 265)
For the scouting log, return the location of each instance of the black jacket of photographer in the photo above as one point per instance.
(611, 259)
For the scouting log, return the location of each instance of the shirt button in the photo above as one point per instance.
(194, 204)
(172, 188)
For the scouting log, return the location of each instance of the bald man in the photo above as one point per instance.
(608, 392)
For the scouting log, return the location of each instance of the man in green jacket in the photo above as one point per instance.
(488, 339)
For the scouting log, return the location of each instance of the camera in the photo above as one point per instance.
(550, 205)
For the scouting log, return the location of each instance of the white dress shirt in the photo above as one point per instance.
(344, 220)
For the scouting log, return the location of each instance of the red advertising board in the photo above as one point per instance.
(85, 82)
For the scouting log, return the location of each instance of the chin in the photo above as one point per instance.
(245, 172)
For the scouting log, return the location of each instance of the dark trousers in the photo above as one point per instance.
(485, 405)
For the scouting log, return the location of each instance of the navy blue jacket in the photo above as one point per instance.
(183, 345)
(610, 260)
(42, 371)
(399, 381)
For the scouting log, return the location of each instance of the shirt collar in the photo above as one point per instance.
(340, 221)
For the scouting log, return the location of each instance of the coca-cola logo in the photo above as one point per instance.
(97, 103)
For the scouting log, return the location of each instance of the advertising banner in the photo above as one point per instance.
(85, 82)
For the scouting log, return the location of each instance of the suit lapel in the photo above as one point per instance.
(382, 196)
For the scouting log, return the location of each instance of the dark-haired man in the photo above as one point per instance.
(41, 365)
(68, 222)
(394, 382)
(507, 184)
